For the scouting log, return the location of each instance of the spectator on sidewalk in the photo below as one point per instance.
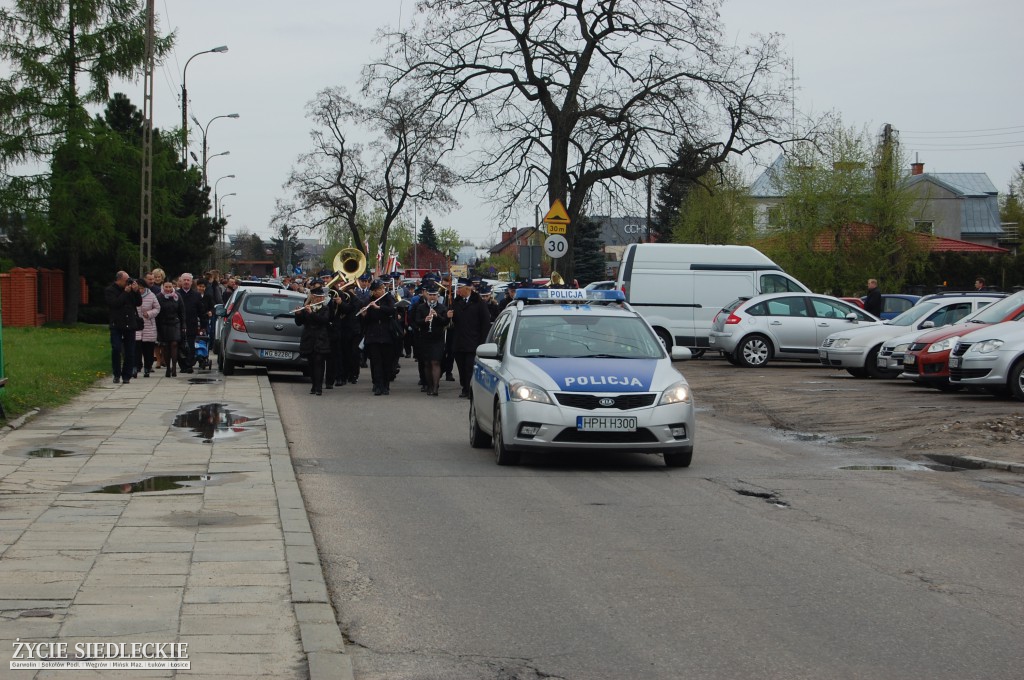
(190, 299)
(145, 339)
(979, 283)
(123, 299)
(170, 325)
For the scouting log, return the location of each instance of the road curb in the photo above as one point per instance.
(976, 463)
(319, 630)
(20, 421)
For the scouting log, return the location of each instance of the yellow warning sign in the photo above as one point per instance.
(556, 228)
(556, 215)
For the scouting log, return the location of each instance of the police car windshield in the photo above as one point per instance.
(575, 336)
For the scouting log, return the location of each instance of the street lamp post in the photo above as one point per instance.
(215, 190)
(206, 129)
(184, 98)
(220, 205)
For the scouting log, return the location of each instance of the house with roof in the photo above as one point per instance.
(962, 206)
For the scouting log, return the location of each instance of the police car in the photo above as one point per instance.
(579, 370)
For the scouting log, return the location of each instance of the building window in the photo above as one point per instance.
(775, 216)
(924, 226)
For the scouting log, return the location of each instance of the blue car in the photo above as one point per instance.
(894, 304)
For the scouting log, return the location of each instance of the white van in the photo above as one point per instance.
(679, 287)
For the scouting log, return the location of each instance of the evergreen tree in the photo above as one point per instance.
(428, 236)
(589, 251)
(42, 115)
(720, 212)
(673, 190)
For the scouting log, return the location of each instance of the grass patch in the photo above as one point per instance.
(50, 365)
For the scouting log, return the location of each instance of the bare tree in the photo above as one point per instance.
(340, 179)
(576, 94)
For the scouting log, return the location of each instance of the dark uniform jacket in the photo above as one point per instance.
(470, 323)
(170, 322)
(377, 321)
(435, 335)
(873, 302)
(315, 336)
(122, 306)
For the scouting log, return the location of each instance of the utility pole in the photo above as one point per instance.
(146, 220)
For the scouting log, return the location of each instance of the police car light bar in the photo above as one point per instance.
(570, 295)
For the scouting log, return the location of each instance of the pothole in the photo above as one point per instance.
(768, 496)
(214, 421)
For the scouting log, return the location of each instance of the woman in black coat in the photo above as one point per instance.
(315, 343)
(380, 344)
(430, 318)
(170, 325)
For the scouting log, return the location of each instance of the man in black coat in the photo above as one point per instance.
(192, 300)
(123, 299)
(873, 300)
(471, 322)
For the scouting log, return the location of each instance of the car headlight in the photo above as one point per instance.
(944, 345)
(678, 393)
(840, 343)
(524, 391)
(900, 348)
(986, 346)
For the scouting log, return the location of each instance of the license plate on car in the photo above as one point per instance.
(606, 423)
(954, 362)
(275, 354)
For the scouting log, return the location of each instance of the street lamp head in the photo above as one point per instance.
(222, 48)
(232, 115)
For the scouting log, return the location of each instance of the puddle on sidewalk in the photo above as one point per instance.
(44, 452)
(159, 483)
(202, 381)
(908, 467)
(214, 421)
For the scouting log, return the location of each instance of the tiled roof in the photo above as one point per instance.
(935, 244)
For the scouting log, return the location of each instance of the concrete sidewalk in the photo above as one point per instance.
(226, 563)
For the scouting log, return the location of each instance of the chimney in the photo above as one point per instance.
(506, 235)
(917, 168)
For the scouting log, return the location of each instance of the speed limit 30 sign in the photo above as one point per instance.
(555, 246)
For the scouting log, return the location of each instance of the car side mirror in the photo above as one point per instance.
(220, 310)
(488, 350)
(852, 317)
(928, 324)
(680, 353)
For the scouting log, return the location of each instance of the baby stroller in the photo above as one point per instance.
(202, 350)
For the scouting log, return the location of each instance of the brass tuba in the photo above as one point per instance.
(349, 265)
(555, 280)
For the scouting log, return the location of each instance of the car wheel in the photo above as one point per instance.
(1017, 380)
(502, 456)
(754, 351)
(228, 367)
(872, 369)
(477, 438)
(857, 372)
(678, 459)
(666, 339)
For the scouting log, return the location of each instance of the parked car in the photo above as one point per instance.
(600, 285)
(781, 326)
(229, 304)
(894, 304)
(926, 360)
(992, 358)
(261, 331)
(855, 301)
(856, 348)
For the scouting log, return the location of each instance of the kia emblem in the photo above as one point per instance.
(606, 401)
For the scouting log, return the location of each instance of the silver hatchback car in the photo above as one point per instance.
(754, 331)
(260, 330)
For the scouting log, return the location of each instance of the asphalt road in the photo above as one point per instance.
(764, 559)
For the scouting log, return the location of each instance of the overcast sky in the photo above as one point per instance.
(945, 73)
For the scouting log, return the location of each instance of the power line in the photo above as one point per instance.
(957, 132)
(993, 134)
(957, 147)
